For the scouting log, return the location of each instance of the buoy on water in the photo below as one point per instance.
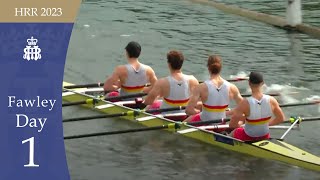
(294, 15)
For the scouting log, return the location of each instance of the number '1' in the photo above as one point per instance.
(31, 153)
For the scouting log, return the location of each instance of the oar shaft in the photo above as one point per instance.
(73, 103)
(92, 101)
(102, 84)
(311, 119)
(208, 122)
(306, 119)
(84, 86)
(292, 125)
(118, 132)
(125, 96)
(165, 109)
(128, 113)
(95, 117)
(300, 104)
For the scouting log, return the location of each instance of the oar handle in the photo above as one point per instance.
(125, 96)
(84, 86)
(208, 122)
(95, 117)
(165, 109)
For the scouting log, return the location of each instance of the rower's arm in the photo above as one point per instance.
(191, 107)
(112, 82)
(193, 83)
(239, 113)
(236, 96)
(154, 93)
(278, 113)
(152, 79)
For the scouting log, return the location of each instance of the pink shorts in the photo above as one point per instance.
(113, 94)
(155, 105)
(197, 118)
(239, 133)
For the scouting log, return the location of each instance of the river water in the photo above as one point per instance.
(290, 63)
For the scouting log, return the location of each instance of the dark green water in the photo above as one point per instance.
(290, 62)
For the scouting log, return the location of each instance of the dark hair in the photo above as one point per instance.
(175, 59)
(255, 78)
(133, 49)
(214, 64)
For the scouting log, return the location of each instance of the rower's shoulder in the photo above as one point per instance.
(120, 69)
(163, 80)
(191, 77)
(148, 68)
(202, 86)
(232, 86)
(162, 83)
(272, 100)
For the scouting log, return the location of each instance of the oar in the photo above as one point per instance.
(300, 104)
(289, 129)
(93, 101)
(101, 84)
(228, 119)
(270, 94)
(167, 126)
(128, 113)
(305, 119)
(84, 85)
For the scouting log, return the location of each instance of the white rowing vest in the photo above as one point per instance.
(136, 80)
(257, 123)
(178, 95)
(217, 103)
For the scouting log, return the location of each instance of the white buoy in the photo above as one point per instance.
(294, 15)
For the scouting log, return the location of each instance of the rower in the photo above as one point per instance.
(132, 77)
(258, 110)
(214, 93)
(174, 89)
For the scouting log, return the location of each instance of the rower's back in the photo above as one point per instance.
(257, 123)
(217, 101)
(179, 92)
(136, 79)
(132, 77)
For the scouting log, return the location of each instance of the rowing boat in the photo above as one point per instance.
(269, 149)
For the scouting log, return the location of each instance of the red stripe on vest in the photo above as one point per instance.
(176, 101)
(258, 120)
(215, 107)
(132, 87)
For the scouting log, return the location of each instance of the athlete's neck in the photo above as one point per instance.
(257, 92)
(215, 77)
(133, 60)
(175, 72)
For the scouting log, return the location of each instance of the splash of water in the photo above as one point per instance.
(314, 98)
(287, 92)
(240, 74)
(294, 14)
